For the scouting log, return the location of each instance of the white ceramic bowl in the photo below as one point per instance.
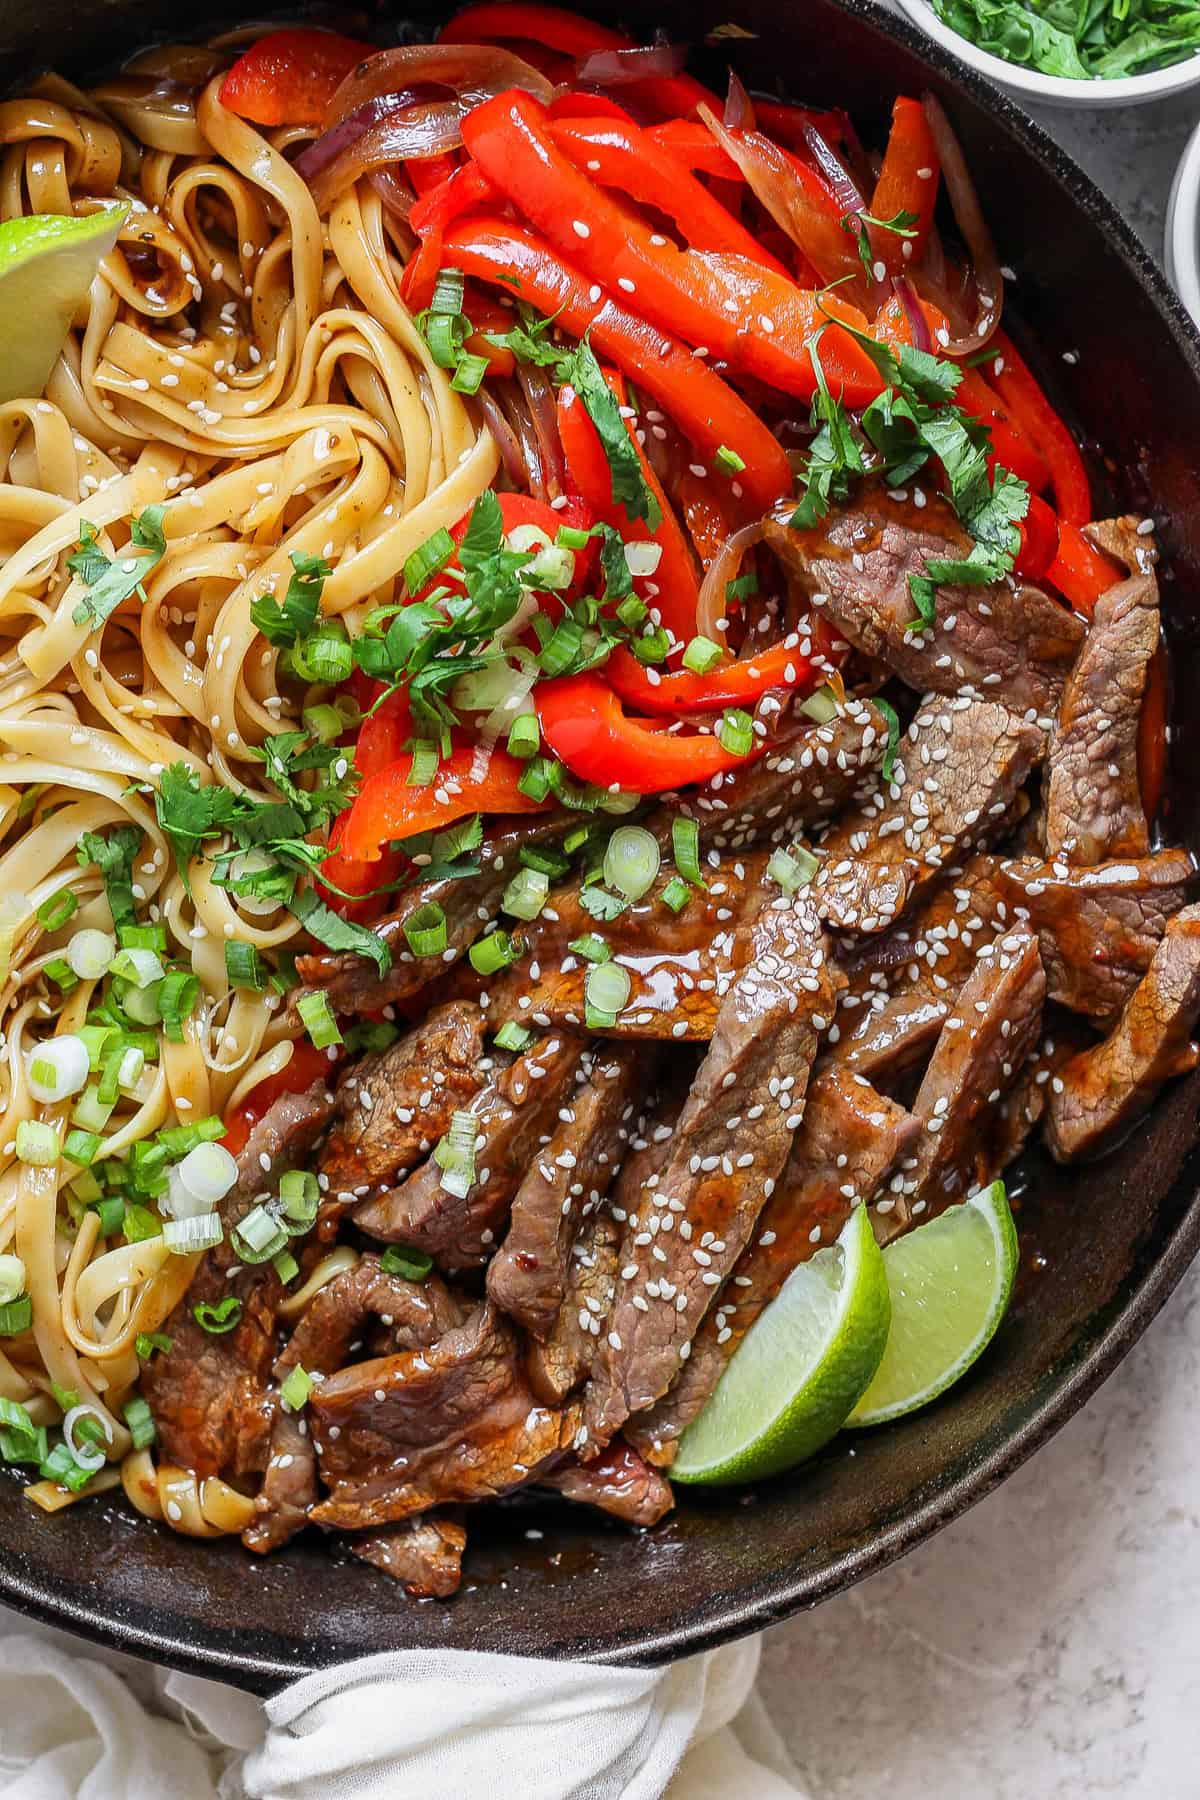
(1182, 247)
(1054, 90)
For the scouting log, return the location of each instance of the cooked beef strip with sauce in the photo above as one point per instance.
(958, 771)
(619, 1482)
(569, 1177)
(1092, 797)
(209, 1392)
(1007, 640)
(1104, 1090)
(849, 1139)
(424, 1555)
(517, 1110)
(696, 1215)
(561, 1361)
(452, 1422)
(393, 1106)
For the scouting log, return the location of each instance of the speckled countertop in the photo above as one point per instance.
(1046, 1646)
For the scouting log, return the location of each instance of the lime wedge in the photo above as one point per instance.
(47, 264)
(951, 1281)
(799, 1369)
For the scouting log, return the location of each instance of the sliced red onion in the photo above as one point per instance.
(917, 323)
(397, 197)
(543, 414)
(711, 603)
(505, 438)
(840, 181)
(613, 68)
(968, 214)
(474, 72)
(321, 152)
(739, 108)
(411, 133)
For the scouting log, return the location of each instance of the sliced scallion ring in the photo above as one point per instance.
(631, 861)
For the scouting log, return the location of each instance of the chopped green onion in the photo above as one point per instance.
(550, 862)
(607, 988)
(571, 537)
(147, 1342)
(642, 559)
(526, 894)
(177, 999)
(454, 1154)
(61, 1468)
(426, 755)
(324, 656)
(685, 847)
(653, 646)
(296, 1388)
(108, 1088)
(888, 765)
(729, 459)
(85, 1188)
(821, 706)
(57, 1068)
(512, 1036)
(81, 1147)
(631, 861)
(20, 1439)
(324, 722)
(37, 1144)
(371, 1034)
(411, 1265)
(735, 733)
(425, 562)
(633, 611)
(425, 930)
(285, 1266)
(96, 1040)
(243, 965)
(469, 373)
(259, 1236)
(59, 971)
(702, 655)
(12, 1279)
(316, 1016)
(140, 1223)
(448, 292)
(90, 952)
(142, 1004)
(57, 909)
(142, 967)
(561, 648)
(792, 869)
(218, 1316)
(676, 894)
(111, 1213)
(488, 955)
(90, 1112)
(182, 1236)
(442, 334)
(140, 1422)
(144, 937)
(286, 976)
(524, 736)
(592, 948)
(16, 1316)
(177, 1140)
(535, 778)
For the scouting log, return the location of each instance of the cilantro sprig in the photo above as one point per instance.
(109, 580)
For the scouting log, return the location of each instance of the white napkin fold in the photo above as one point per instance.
(410, 1723)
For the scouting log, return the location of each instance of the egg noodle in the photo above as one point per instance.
(301, 414)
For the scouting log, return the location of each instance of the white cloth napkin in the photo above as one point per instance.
(80, 1724)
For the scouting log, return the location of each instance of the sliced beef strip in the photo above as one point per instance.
(209, 1393)
(957, 774)
(810, 773)
(619, 1482)
(849, 1139)
(1092, 795)
(451, 1423)
(1021, 1110)
(1097, 927)
(527, 1278)
(354, 985)
(1007, 641)
(680, 965)
(733, 1137)
(393, 1106)
(517, 1110)
(562, 1361)
(424, 1555)
(416, 1314)
(1106, 1089)
(982, 1049)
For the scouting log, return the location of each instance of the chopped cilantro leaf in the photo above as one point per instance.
(107, 580)
(113, 854)
(336, 933)
(284, 624)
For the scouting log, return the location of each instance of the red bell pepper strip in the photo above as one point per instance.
(695, 146)
(707, 518)
(628, 159)
(308, 1064)
(1080, 572)
(523, 509)
(289, 77)
(465, 190)
(738, 683)
(1017, 386)
(759, 321)
(552, 28)
(429, 172)
(387, 807)
(673, 590)
(1010, 446)
(1039, 540)
(487, 315)
(706, 409)
(381, 740)
(908, 182)
(420, 273)
(588, 106)
(584, 724)
(789, 123)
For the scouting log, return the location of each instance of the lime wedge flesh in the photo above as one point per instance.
(950, 1282)
(799, 1369)
(47, 264)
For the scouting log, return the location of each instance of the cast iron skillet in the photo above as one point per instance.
(1102, 1247)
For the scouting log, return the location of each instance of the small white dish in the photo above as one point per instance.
(1054, 90)
(1181, 251)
